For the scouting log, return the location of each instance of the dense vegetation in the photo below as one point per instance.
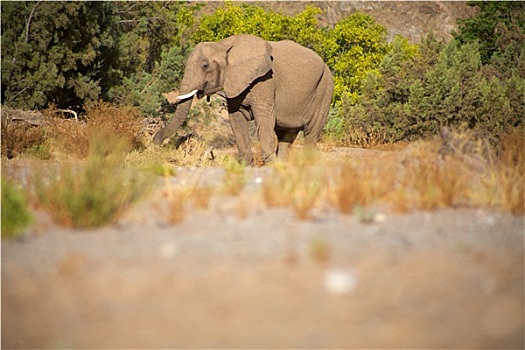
(70, 54)
(476, 80)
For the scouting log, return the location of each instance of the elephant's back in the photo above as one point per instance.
(299, 74)
(288, 54)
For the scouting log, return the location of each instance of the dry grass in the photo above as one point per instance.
(180, 196)
(504, 184)
(429, 181)
(418, 177)
(177, 207)
(19, 137)
(298, 182)
(320, 250)
(71, 138)
(93, 192)
(362, 183)
(191, 153)
(372, 139)
(234, 178)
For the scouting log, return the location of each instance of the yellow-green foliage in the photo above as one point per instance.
(352, 49)
(232, 19)
(15, 215)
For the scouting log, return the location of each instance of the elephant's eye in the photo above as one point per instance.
(205, 65)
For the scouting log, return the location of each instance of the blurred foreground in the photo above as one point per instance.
(241, 274)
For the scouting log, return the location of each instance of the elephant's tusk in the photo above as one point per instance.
(188, 95)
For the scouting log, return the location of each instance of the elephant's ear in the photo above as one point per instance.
(249, 57)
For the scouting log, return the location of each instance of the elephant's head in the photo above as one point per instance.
(230, 65)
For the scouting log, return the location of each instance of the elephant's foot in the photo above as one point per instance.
(269, 158)
(246, 159)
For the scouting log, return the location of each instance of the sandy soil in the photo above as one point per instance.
(239, 275)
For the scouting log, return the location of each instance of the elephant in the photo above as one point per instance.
(282, 86)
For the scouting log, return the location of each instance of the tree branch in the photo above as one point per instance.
(30, 18)
(69, 111)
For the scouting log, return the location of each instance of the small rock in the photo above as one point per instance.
(380, 217)
(338, 281)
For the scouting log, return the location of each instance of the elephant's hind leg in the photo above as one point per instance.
(312, 131)
(285, 138)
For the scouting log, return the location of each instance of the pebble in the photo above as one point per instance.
(380, 217)
(339, 281)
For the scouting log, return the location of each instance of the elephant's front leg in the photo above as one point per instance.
(241, 132)
(265, 121)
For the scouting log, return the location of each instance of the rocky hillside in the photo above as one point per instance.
(412, 19)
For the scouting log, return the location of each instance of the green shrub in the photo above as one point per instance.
(354, 48)
(144, 89)
(232, 19)
(15, 215)
(415, 94)
(494, 21)
(57, 52)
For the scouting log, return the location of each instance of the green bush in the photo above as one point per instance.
(131, 53)
(416, 93)
(144, 90)
(491, 26)
(15, 215)
(232, 19)
(353, 49)
(153, 48)
(64, 53)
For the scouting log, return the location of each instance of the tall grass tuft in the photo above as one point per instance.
(94, 192)
(234, 178)
(505, 184)
(298, 183)
(432, 183)
(361, 183)
(512, 172)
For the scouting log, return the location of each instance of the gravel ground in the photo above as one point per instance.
(239, 275)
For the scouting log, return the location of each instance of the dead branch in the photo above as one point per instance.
(69, 111)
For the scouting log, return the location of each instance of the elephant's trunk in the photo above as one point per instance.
(175, 123)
